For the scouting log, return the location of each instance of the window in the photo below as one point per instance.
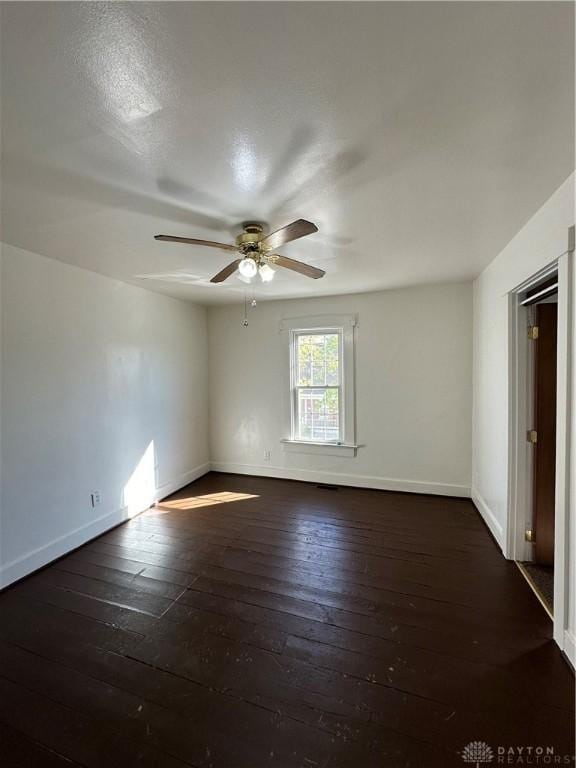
(320, 384)
(317, 386)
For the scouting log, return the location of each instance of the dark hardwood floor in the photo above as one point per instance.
(255, 622)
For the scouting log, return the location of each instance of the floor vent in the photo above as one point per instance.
(326, 487)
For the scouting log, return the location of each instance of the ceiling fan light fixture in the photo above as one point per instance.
(247, 267)
(253, 250)
(266, 273)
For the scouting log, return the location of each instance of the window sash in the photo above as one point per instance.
(297, 434)
(295, 387)
(313, 366)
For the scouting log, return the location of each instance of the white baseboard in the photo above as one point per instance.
(336, 478)
(489, 518)
(52, 550)
(31, 561)
(181, 481)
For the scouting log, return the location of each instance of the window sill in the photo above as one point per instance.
(326, 449)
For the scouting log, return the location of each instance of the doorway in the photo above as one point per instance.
(538, 568)
(539, 437)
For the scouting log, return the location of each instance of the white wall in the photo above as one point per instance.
(414, 380)
(540, 241)
(543, 239)
(102, 382)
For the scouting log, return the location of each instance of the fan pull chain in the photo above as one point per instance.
(245, 323)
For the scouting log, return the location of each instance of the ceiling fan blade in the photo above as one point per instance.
(226, 272)
(299, 228)
(194, 241)
(299, 266)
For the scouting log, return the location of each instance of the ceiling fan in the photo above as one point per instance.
(255, 251)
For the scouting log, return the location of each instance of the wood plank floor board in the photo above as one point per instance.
(383, 546)
(335, 512)
(459, 641)
(109, 706)
(119, 711)
(314, 587)
(340, 519)
(301, 690)
(176, 550)
(155, 554)
(126, 566)
(489, 613)
(513, 600)
(23, 617)
(250, 622)
(184, 620)
(17, 750)
(66, 731)
(386, 547)
(338, 637)
(156, 521)
(133, 597)
(194, 701)
(137, 581)
(437, 574)
(115, 616)
(413, 611)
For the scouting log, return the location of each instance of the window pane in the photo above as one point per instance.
(318, 414)
(317, 360)
(332, 359)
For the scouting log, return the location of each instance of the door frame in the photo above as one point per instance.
(520, 393)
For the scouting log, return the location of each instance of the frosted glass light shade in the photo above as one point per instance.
(247, 267)
(266, 273)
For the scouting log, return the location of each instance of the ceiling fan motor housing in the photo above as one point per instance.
(248, 242)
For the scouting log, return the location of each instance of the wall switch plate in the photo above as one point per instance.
(266, 455)
(96, 498)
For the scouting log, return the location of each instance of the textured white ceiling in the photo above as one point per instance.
(419, 137)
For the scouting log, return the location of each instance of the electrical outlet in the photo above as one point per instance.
(266, 455)
(96, 498)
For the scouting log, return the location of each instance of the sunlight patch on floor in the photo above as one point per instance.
(194, 502)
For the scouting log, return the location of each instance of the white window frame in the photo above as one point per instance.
(345, 326)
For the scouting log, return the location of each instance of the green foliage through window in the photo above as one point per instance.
(317, 379)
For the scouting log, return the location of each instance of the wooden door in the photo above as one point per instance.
(545, 425)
